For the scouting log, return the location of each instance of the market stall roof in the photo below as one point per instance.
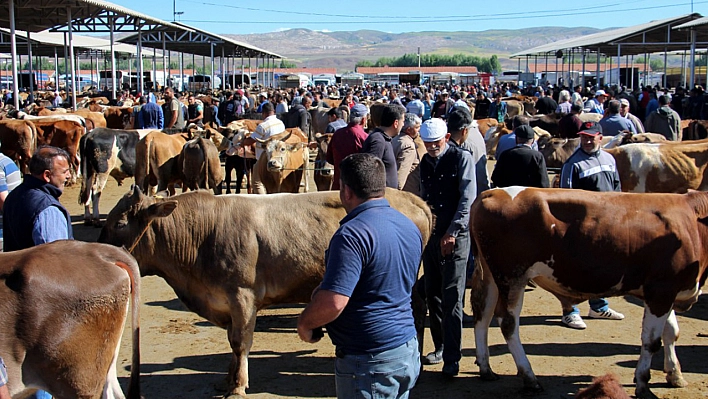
(44, 43)
(87, 16)
(700, 22)
(199, 42)
(651, 37)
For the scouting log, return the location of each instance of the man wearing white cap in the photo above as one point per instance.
(448, 185)
(624, 112)
(595, 105)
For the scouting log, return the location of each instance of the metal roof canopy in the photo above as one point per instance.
(44, 44)
(652, 37)
(197, 41)
(75, 16)
(87, 16)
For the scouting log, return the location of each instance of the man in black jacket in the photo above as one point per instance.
(379, 141)
(299, 116)
(521, 165)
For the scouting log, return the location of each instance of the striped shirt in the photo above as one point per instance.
(269, 127)
(10, 178)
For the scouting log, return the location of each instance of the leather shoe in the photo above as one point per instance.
(434, 357)
(451, 369)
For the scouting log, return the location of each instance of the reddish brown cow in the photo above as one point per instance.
(118, 117)
(64, 134)
(156, 161)
(324, 171)
(19, 140)
(580, 245)
(63, 309)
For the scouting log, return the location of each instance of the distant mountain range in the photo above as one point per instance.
(343, 49)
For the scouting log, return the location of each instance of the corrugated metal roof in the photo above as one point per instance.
(45, 42)
(199, 42)
(437, 69)
(40, 15)
(696, 22)
(649, 37)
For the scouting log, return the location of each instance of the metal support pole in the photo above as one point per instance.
(56, 70)
(692, 62)
(66, 64)
(141, 82)
(114, 83)
(71, 57)
(243, 72)
(619, 64)
(164, 62)
(223, 69)
(31, 68)
(213, 81)
(583, 78)
(664, 67)
(181, 71)
(13, 50)
(631, 81)
(250, 76)
(597, 71)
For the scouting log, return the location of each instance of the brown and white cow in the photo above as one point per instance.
(201, 166)
(19, 140)
(93, 119)
(284, 162)
(156, 162)
(62, 133)
(671, 167)
(580, 245)
(64, 306)
(228, 256)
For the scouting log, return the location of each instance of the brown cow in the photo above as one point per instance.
(118, 117)
(694, 129)
(284, 162)
(226, 257)
(19, 140)
(324, 171)
(64, 134)
(93, 119)
(64, 306)
(238, 157)
(580, 245)
(201, 166)
(156, 161)
(247, 124)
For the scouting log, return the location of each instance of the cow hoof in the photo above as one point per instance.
(676, 380)
(532, 389)
(489, 376)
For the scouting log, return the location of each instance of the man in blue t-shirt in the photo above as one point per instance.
(365, 296)
(10, 178)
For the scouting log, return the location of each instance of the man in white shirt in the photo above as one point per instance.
(270, 127)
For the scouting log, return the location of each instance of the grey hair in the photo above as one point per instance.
(411, 120)
(563, 96)
(356, 119)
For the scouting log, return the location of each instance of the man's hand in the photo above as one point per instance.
(447, 245)
(306, 334)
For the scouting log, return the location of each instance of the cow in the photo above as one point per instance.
(201, 166)
(694, 129)
(375, 113)
(556, 151)
(548, 123)
(93, 119)
(580, 245)
(64, 307)
(105, 152)
(324, 171)
(228, 256)
(662, 168)
(19, 140)
(64, 134)
(284, 162)
(118, 117)
(247, 124)
(238, 157)
(156, 161)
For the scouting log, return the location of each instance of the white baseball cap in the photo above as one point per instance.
(433, 130)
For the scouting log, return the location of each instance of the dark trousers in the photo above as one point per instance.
(445, 290)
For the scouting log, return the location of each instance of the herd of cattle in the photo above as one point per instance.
(226, 256)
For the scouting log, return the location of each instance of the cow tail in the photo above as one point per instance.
(131, 267)
(86, 183)
(203, 148)
(146, 182)
(32, 144)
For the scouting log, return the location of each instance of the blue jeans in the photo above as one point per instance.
(41, 395)
(598, 305)
(389, 374)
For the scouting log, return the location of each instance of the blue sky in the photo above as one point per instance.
(244, 17)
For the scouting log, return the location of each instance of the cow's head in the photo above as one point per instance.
(131, 217)
(278, 154)
(321, 165)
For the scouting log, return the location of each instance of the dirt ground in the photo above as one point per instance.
(184, 356)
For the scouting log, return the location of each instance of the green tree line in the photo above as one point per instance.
(483, 64)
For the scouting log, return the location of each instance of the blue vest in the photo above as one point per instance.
(442, 187)
(23, 205)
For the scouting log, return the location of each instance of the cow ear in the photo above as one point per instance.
(162, 209)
